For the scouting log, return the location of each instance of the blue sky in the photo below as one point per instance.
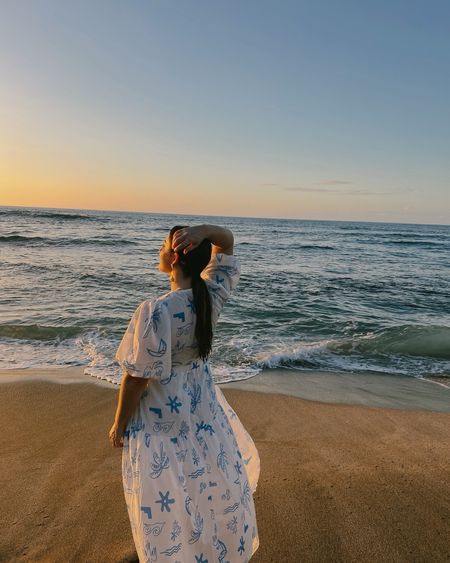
(319, 110)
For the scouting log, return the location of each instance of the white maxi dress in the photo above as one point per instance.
(189, 467)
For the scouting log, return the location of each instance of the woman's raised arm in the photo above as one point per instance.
(188, 238)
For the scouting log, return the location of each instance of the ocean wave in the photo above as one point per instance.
(19, 238)
(38, 332)
(49, 215)
(315, 247)
(247, 243)
(369, 236)
(424, 341)
(404, 234)
(387, 347)
(42, 241)
(425, 243)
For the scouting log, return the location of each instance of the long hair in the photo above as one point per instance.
(191, 265)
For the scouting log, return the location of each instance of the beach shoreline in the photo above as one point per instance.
(338, 482)
(363, 388)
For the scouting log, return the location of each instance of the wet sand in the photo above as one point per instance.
(338, 482)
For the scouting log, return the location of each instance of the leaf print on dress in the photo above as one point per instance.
(161, 462)
(195, 393)
(150, 553)
(203, 444)
(184, 430)
(198, 527)
(222, 460)
(155, 318)
(187, 504)
(245, 496)
(182, 481)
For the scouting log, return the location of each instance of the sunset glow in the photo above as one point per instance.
(147, 107)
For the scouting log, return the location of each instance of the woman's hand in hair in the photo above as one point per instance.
(186, 239)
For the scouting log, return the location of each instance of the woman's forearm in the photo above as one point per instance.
(131, 390)
(219, 236)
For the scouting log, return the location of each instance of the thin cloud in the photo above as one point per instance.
(340, 192)
(315, 190)
(330, 190)
(334, 183)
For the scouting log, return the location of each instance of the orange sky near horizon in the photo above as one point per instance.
(52, 176)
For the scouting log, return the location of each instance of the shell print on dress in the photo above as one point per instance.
(189, 467)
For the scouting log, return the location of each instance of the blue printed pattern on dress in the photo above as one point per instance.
(195, 393)
(180, 443)
(154, 529)
(160, 462)
(198, 527)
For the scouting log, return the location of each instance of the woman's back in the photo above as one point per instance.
(187, 489)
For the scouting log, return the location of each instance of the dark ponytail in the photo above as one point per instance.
(203, 325)
(192, 265)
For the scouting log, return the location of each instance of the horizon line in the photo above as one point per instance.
(226, 216)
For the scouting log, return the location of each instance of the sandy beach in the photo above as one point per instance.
(339, 482)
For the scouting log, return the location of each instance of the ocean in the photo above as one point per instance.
(313, 295)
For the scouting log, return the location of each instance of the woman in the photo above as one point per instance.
(189, 467)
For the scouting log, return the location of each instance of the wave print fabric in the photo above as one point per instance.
(189, 467)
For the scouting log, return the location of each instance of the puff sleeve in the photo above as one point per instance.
(222, 272)
(145, 349)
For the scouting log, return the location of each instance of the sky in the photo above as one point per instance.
(289, 109)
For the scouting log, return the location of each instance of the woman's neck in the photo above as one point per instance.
(178, 281)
